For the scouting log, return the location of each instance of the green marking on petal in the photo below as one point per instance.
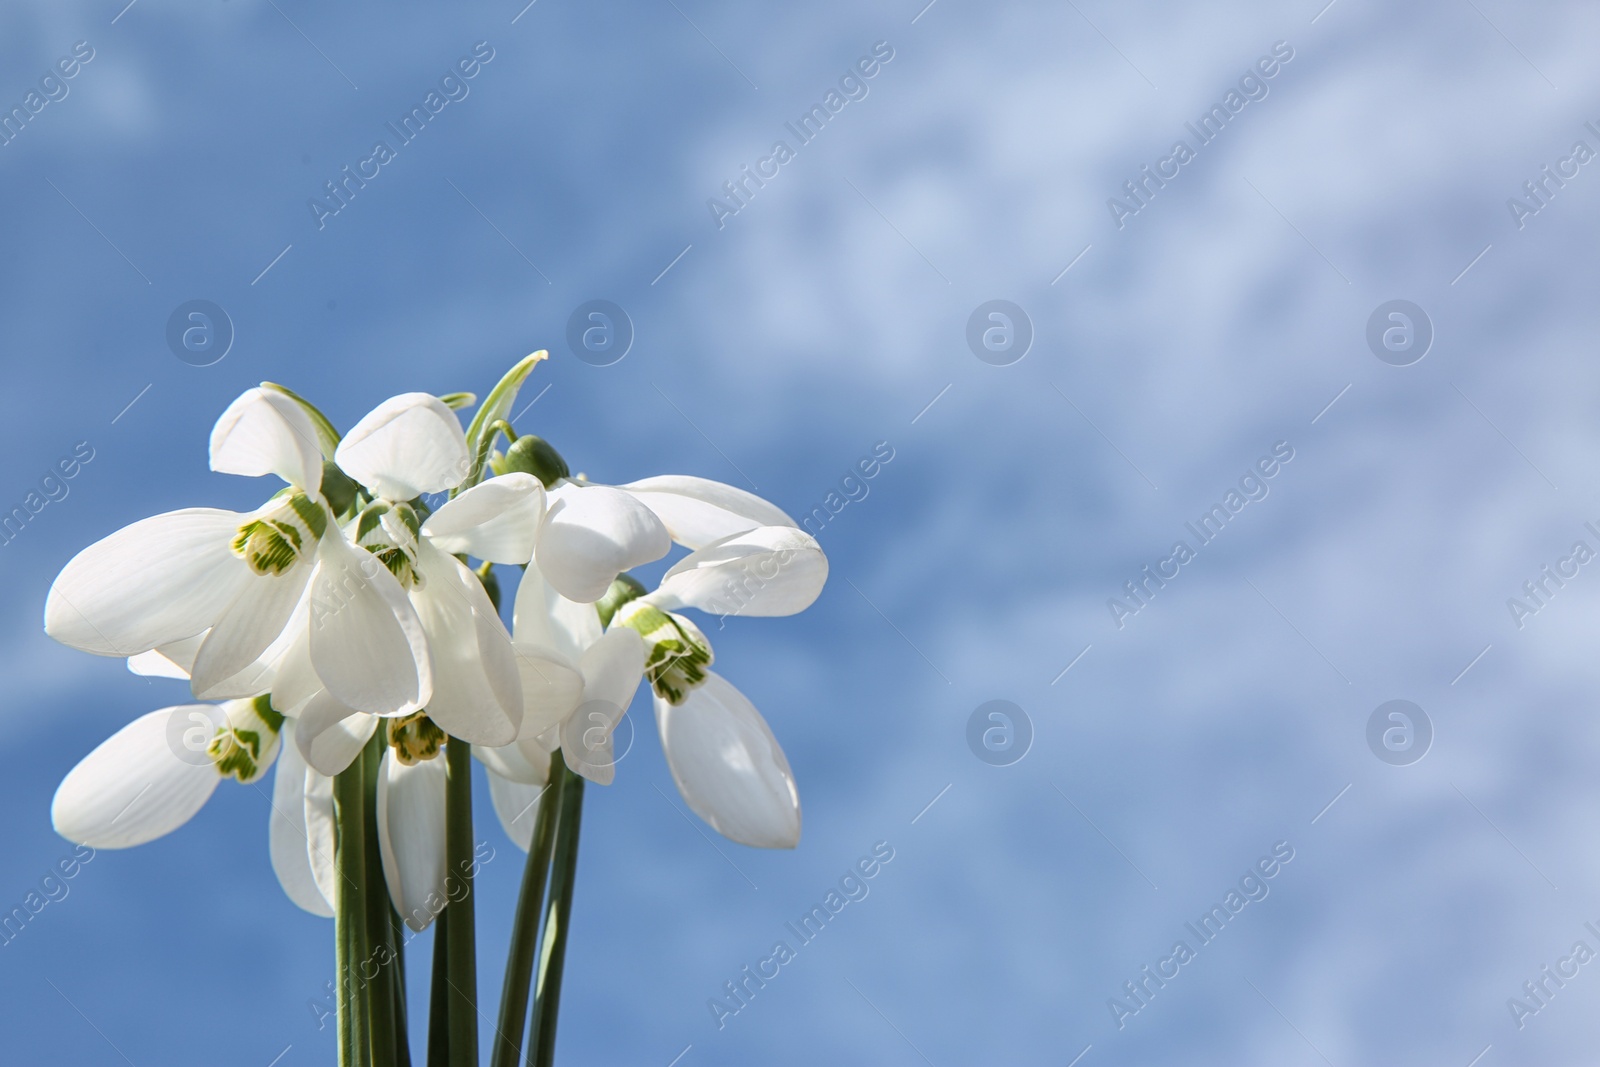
(247, 743)
(676, 652)
(276, 541)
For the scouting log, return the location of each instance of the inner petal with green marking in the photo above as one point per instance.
(676, 652)
(390, 531)
(245, 747)
(276, 540)
(414, 738)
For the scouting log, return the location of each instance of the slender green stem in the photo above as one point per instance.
(439, 995)
(462, 962)
(349, 798)
(377, 968)
(525, 927)
(553, 950)
(402, 1028)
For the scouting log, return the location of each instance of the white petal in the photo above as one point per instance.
(136, 786)
(367, 645)
(321, 834)
(593, 533)
(729, 767)
(477, 692)
(517, 805)
(543, 620)
(408, 445)
(527, 762)
(153, 664)
(265, 432)
(771, 570)
(287, 830)
(497, 520)
(698, 511)
(329, 735)
(411, 836)
(551, 691)
(612, 669)
(294, 679)
(149, 584)
(253, 622)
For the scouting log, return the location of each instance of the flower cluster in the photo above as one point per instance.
(343, 614)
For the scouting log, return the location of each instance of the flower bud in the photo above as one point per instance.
(531, 454)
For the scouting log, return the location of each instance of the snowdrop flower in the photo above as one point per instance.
(156, 773)
(224, 587)
(722, 755)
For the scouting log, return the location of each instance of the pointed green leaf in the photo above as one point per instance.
(496, 406)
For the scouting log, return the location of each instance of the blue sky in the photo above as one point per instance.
(1226, 315)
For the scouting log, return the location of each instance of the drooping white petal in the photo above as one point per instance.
(256, 619)
(411, 836)
(729, 767)
(477, 692)
(321, 834)
(525, 761)
(145, 780)
(157, 664)
(149, 584)
(265, 432)
(698, 511)
(771, 570)
(294, 678)
(406, 446)
(544, 621)
(612, 668)
(330, 735)
(287, 830)
(517, 806)
(367, 644)
(497, 520)
(593, 533)
(551, 691)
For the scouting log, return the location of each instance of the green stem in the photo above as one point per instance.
(402, 1028)
(380, 961)
(552, 953)
(525, 927)
(439, 995)
(350, 857)
(462, 962)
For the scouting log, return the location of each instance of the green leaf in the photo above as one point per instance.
(327, 436)
(496, 406)
(458, 401)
